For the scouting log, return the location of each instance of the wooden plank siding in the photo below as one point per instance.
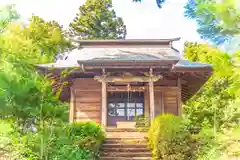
(167, 93)
(158, 102)
(167, 100)
(170, 100)
(87, 92)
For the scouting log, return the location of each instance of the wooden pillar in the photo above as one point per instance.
(151, 96)
(72, 106)
(179, 97)
(102, 79)
(104, 104)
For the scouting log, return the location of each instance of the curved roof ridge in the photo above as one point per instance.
(125, 42)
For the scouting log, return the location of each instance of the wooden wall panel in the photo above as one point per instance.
(166, 100)
(170, 100)
(146, 103)
(87, 100)
(158, 102)
(166, 82)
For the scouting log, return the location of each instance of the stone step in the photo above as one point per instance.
(126, 135)
(125, 154)
(124, 146)
(126, 138)
(125, 141)
(126, 129)
(124, 149)
(125, 158)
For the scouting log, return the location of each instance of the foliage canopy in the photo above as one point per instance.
(97, 20)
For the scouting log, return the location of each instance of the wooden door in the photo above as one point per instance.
(124, 106)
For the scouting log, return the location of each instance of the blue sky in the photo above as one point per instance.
(143, 20)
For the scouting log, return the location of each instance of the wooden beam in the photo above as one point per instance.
(127, 78)
(166, 88)
(125, 89)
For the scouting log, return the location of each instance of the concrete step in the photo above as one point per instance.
(125, 158)
(125, 154)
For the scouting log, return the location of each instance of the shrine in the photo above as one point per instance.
(114, 81)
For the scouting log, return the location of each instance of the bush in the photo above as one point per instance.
(142, 123)
(88, 135)
(78, 141)
(207, 145)
(170, 139)
(64, 142)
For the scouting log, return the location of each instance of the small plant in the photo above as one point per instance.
(142, 122)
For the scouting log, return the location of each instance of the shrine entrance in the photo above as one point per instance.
(124, 106)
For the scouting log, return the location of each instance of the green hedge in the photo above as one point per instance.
(170, 139)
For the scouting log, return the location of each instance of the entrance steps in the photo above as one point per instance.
(125, 144)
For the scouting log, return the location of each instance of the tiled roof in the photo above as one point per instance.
(122, 54)
(117, 54)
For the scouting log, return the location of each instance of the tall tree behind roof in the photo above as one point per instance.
(97, 19)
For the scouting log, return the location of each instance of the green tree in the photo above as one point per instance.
(214, 98)
(47, 35)
(27, 96)
(97, 20)
(8, 14)
(218, 21)
(38, 42)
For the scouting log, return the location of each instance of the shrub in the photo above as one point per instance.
(89, 135)
(70, 141)
(142, 123)
(79, 141)
(169, 139)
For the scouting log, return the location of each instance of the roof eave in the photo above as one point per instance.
(192, 69)
(126, 63)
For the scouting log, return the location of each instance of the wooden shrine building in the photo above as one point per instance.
(115, 80)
